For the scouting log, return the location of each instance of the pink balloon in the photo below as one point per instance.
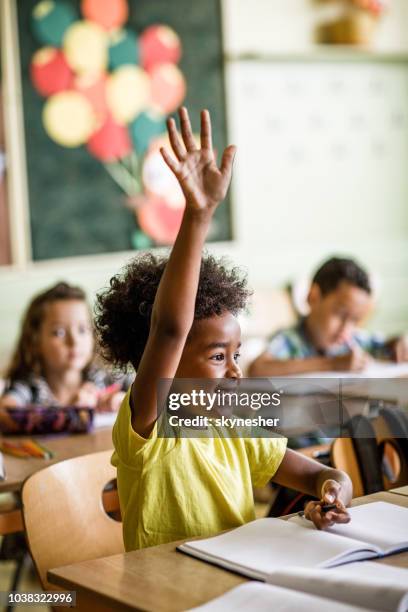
(159, 44)
(168, 88)
(94, 89)
(109, 14)
(110, 142)
(50, 72)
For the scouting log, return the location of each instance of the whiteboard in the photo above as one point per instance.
(323, 144)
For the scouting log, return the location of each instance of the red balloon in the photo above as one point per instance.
(159, 44)
(158, 220)
(110, 142)
(50, 72)
(109, 14)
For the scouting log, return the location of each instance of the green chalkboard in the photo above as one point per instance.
(75, 206)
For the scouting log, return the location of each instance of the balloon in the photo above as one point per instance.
(123, 49)
(50, 72)
(159, 44)
(86, 47)
(93, 87)
(140, 241)
(158, 179)
(50, 20)
(128, 92)
(158, 220)
(109, 14)
(68, 118)
(168, 87)
(146, 126)
(110, 142)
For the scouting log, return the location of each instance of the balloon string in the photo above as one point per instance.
(126, 180)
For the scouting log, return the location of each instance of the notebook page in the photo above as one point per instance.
(367, 584)
(379, 524)
(264, 598)
(260, 547)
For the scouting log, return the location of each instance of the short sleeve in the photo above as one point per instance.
(20, 391)
(278, 347)
(374, 344)
(264, 456)
(128, 444)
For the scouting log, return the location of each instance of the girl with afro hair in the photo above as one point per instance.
(176, 319)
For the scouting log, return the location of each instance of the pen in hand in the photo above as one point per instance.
(325, 508)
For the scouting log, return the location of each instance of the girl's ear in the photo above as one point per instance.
(314, 295)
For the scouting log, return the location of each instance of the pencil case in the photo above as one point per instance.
(45, 420)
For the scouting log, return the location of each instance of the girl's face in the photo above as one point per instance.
(66, 338)
(212, 349)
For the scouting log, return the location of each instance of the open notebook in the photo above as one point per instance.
(357, 586)
(263, 546)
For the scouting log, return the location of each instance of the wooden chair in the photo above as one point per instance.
(64, 517)
(382, 450)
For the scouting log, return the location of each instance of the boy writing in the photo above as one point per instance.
(340, 298)
(177, 319)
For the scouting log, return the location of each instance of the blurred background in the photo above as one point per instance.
(313, 93)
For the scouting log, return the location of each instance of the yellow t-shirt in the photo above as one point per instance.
(170, 489)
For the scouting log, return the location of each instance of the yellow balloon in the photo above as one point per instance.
(68, 118)
(128, 93)
(86, 47)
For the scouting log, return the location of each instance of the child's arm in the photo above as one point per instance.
(204, 186)
(398, 348)
(328, 485)
(268, 365)
(8, 401)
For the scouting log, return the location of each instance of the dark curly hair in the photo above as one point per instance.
(123, 311)
(340, 269)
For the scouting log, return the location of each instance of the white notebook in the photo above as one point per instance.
(357, 586)
(261, 547)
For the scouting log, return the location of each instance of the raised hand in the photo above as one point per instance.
(204, 184)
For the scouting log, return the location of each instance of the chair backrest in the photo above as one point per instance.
(392, 435)
(63, 513)
(360, 456)
(376, 450)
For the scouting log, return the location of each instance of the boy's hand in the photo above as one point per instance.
(204, 184)
(399, 348)
(354, 361)
(331, 494)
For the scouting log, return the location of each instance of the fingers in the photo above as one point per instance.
(227, 160)
(324, 520)
(330, 491)
(175, 139)
(186, 131)
(170, 161)
(205, 134)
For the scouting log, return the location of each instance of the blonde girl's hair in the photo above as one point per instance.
(26, 359)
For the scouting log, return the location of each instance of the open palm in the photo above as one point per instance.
(204, 184)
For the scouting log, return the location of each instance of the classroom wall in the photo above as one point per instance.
(271, 256)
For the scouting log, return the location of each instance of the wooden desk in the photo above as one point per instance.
(401, 491)
(160, 578)
(64, 446)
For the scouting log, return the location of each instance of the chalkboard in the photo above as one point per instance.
(75, 206)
